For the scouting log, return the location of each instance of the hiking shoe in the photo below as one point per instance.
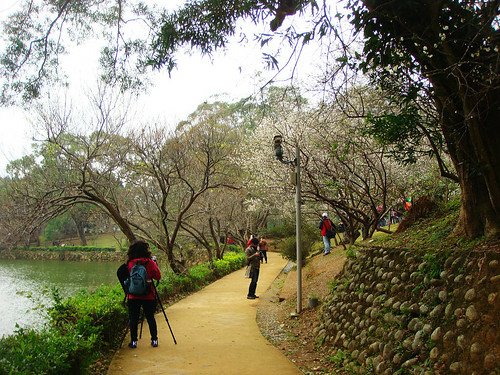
(251, 297)
(154, 343)
(132, 345)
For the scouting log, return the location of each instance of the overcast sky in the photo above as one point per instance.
(171, 99)
(231, 75)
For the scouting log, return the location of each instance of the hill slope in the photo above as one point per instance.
(432, 306)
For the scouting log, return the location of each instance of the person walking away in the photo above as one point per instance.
(139, 254)
(263, 250)
(253, 260)
(326, 226)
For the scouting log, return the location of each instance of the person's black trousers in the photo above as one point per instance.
(254, 275)
(134, 312)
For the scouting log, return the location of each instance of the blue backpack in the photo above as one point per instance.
(137, 282)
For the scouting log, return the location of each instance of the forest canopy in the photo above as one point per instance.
(438, 60)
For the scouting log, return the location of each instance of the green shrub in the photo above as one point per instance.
(351, 252)
(233, 248)
(201, 274)
(338, 358)
(222, 267)
(288, 247)
(231, 262)
(100, 313)
(281, 230)
(237, 260)
(434, 264)
(172, 284)
(166, 287)
(45, 352)
(183, 284)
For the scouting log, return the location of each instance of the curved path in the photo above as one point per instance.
(216, 333)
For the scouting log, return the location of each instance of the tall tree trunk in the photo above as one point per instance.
(215, 238)
(177, 266)
(472, 137)
(81, 233)
(482, 112)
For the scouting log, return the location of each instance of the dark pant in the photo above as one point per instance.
(254, 275)
(263, 256)
(134, 312)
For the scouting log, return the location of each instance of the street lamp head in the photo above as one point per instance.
(278, 149)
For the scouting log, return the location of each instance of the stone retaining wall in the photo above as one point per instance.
(394, 311)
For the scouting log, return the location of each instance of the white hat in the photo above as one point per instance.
(324, 214)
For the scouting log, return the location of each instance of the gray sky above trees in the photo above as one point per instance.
(172, 99)
(229, 75)
(196, 80)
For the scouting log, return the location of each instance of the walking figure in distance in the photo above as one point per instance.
(253, 260)
(263, 250)
(327, 232)
(139, 253)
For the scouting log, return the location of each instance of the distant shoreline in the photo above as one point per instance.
(84, 256)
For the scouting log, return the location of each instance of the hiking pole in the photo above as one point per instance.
(164, 314)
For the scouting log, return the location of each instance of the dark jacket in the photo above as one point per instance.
(253, 256)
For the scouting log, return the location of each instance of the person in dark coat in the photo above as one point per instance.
(253, 260)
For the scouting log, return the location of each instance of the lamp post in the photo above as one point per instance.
(278, 151)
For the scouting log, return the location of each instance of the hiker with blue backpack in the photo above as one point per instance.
(143, 270)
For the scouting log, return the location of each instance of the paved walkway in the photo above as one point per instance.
(216, 333)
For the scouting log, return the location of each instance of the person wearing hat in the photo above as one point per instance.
(327, 231)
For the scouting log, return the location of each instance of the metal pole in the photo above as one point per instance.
(297, 229)
(164, 313)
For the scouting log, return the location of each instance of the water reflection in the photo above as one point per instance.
(22, 278)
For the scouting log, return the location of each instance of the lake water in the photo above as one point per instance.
(21, 278)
